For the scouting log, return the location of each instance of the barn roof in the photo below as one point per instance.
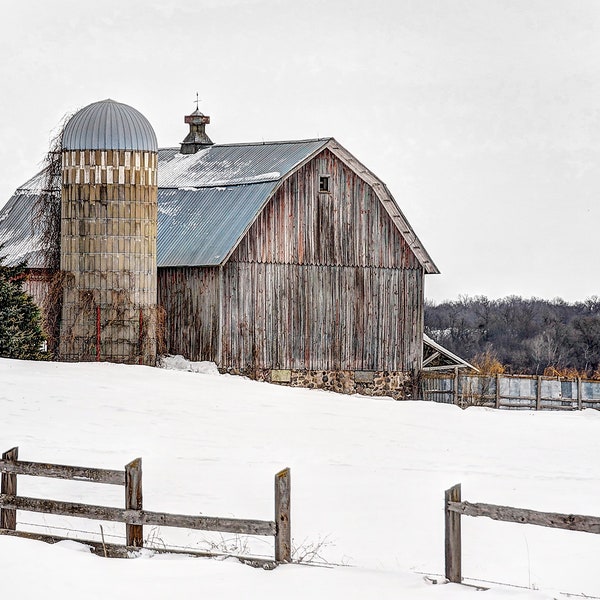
(206, 201)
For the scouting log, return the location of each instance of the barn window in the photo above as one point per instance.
(325, 184)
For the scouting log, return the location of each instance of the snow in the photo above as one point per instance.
(192, 171)
(179, 363)
(368, 478)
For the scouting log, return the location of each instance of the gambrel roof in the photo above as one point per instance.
(207, 201)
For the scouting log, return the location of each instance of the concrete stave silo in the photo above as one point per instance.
(108, 236)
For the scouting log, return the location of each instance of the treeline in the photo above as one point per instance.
(525, 335)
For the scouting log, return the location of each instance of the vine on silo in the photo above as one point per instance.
(46, 220)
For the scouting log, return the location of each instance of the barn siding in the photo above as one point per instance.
(190, 298)
(348, 227)
(37, 284)
(323, 281)
(316, 317)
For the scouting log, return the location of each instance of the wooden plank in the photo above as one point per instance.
(8, 517)
(138, 517)
(524, 515)
(21, 467)
(133, 500)
(283, 535)
(453, 550)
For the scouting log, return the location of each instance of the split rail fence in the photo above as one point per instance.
(133, 515)
(455, 508)
(517, 392)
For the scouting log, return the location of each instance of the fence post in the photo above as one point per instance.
(538, 395)
(8, 516)
(453, 541)
(283, 526)
(133, 501)
(98, 332)
(455, 388)
(579, 395)
(497, 390)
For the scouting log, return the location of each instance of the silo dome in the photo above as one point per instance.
(109, 125)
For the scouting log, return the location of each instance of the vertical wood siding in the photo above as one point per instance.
(190, 297)
(323, 281)
(320, 317)
(348, 226)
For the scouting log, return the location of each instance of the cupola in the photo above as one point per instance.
(196, 139)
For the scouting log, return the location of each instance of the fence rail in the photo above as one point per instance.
(455, 508)
(133, 514)
(517, 392)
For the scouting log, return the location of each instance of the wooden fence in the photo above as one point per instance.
(133, 514)
(517, 392)
(455, 508)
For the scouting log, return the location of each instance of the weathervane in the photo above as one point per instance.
(197, 108)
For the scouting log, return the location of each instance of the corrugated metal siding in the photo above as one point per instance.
(232, 164)
(200, 227)
(109, 125)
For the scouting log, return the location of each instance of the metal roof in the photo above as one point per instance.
(201, 227)
(19, 238)
(109, 125)
(207, 201)
(233, 164)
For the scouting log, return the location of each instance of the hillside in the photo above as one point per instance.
(368, 477)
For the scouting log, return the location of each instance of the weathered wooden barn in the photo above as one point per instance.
(285, 261)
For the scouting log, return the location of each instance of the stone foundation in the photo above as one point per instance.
(396, 384)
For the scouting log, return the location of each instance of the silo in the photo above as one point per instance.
(108, 236)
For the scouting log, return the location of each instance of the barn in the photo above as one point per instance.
(283, 261)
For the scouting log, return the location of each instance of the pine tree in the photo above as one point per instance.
(20, 320)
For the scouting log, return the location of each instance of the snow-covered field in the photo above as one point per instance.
(368, 478)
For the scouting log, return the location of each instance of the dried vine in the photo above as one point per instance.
(46, 220)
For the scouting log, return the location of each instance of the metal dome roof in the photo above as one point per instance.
(109, 125)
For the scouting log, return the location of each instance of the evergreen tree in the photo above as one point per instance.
(20, 320)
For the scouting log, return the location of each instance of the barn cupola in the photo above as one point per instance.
(196, 139)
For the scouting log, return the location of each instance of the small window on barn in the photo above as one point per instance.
(325, 184)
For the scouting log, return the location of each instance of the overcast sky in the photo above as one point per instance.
(482, 116)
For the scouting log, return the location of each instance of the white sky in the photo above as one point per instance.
(480, 115)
